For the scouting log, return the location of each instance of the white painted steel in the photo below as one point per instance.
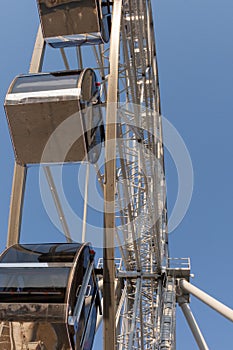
(168, 329)
(194, 326)
(16, 205)
(207, 299)
(110, 184)
(38, 53)
(50, 94)
(134, 314)
(55, 196)
(141, 194)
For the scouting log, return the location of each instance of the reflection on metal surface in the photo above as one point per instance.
(33, 314)
(25, 312)
(75, 22)
(37, 104)
(33, 336)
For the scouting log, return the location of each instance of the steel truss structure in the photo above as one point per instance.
(139, 297)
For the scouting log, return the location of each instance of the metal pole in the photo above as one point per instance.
(121, 301)
(17, 195)
(194, 326)
(207, 299)
(57, 203)
(38, 53)
(85, 205)
(100, 316)
(65, 60)
(109, 329)
(79, 57)
(20, 172)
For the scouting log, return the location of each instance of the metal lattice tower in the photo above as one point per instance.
(141, 295)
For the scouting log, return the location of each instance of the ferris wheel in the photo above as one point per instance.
(110, 85)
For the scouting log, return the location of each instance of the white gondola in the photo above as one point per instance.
(49, 297)
(55, 117)
(75, 22)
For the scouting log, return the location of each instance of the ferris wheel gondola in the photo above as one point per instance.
(50, 293)
(36, 104)
(67, 23)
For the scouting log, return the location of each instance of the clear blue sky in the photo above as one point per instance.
(195, 55)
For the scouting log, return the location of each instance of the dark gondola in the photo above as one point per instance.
(49, 296)
(55, 117)
(75, 22)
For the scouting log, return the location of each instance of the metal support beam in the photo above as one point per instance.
(120, 304)
(100, 315)
(57, 203)
(38, 53)
(134, 313)
(17, 195)
(65, 60)
(207, 299)
(193, 326)
(168, 330)
(79, 57)
(109, 329)
(20, 172)
(85, 205)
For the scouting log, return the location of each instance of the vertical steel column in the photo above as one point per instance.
(193, 326)
(167, 325)
(109, 330)
(20, 172)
